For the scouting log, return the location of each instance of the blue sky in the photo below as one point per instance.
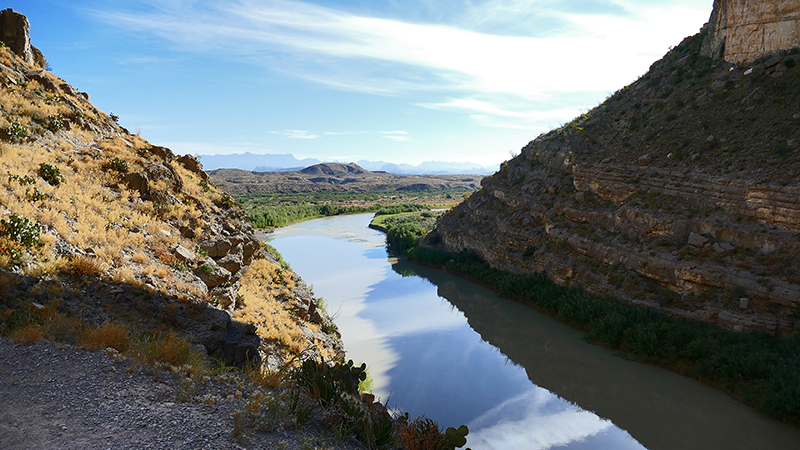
(400, 81)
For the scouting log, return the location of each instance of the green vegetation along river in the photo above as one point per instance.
(442, 346)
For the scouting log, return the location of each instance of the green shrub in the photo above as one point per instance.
(55, 123)
(21, 230)
(402, 236)
(23, 181)
(119, 164)
(16, 132)
(51, 174)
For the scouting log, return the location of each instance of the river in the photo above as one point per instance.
(439, 345)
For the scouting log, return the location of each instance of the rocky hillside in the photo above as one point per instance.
(105, 227)
(680, 191)
(335, 177)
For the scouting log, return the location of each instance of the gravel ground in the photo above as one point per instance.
(53, 396)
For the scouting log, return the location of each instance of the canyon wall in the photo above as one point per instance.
(679, 192)
(745, 30)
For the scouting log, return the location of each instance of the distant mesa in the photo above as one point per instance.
(334, 169)
(287, 162)
(336, 177)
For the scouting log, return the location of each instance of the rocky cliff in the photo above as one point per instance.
(744, 30)
(680, 192)
(104, 226)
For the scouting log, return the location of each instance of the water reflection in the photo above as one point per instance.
(454, 351)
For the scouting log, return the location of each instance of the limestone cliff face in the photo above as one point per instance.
(679, 192)
(14, 32)
(745, 30)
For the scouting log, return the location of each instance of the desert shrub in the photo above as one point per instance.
(21, 230)
(86, 265)
(22, 180)
(16, 132)
(51, 174)
(55, 123)
(423, 433)
(119, 164)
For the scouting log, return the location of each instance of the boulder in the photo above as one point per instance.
(241, 345)
(184, 254)
(233, 261)
(698, 241)
(193, 165)
(723, 247)
(138, 181)
(225, 296)
(212, 274)
(216, 248)
(162, 152)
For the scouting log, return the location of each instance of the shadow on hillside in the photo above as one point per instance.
(94, 301)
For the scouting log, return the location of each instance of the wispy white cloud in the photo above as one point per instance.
(573, 47)
(296, 134)
(536, 420)
(395, 135)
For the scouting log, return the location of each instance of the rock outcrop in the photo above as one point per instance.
(15, 34)
(745, 30)
(679, 192)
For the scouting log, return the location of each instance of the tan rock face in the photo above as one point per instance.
(14, 32)
(744, 30)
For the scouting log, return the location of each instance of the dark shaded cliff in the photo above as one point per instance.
(680, 191)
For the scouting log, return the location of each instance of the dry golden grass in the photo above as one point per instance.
(108, 335)
(261, 286)
(86, 265)
(123, 275)
(129, 238)
(29, 334)
(140, 258)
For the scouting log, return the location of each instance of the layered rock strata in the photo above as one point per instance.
(745, 30)
(679, 192)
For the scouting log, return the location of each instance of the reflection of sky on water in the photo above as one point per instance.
(423, 353)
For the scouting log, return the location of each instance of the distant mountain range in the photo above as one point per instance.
(287, 162)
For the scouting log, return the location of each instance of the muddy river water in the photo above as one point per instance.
(442, 346)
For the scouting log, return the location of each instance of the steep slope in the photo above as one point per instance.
(680, 191)
(100, 225)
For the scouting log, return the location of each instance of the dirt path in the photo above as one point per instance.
(54, 396)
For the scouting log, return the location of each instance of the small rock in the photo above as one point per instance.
(698, 241)
(645, 160)
(773, 61)
(723, 247)
(744, 303)
(184, 254)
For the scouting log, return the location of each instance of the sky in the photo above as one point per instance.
(398, 81)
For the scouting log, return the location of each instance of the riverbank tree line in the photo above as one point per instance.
(759, 369)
